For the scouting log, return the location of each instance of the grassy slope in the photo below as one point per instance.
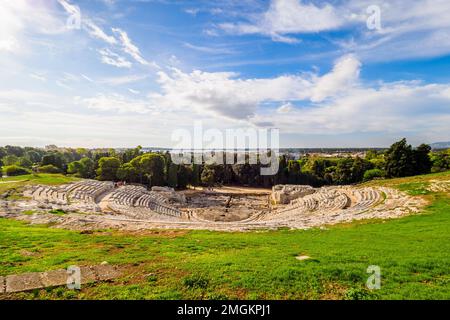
(413, 254)
(17, 183)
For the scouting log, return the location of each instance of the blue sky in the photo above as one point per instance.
(118, 73)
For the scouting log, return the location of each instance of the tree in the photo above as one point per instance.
(84, 168)
(359, 167)
(172, 175)
(3, 152)
(107, 168)
(282, 175)
(10, 160)
(127, 172)
(89, 167)
(150, 168)
(184, 176)
(343, 173)
(54, 159)
(422, 159)
(208, 176)
(24, 162)
(33, 156)
(130, 154)
(293, 171)
(399, 160)
(371, 154)
(441, 161)
(195, 177)
(14, 150)
(402, 160)
(378, 163)
(82, 152)
(75, 167)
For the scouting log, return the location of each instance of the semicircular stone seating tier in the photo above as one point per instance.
(326, 201)
(88, 191)
(84, 191)
(139, 202)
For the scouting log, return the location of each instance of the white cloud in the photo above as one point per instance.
(285, 108)
(289, 17)
(115, 102)
(210, 50)
(345, 74)
(224, 94)
(123, 42)
(117, 81)
(129, 47)
(333, 103)
(87, 78)
(109, 2)
(38, 77)
(211, 32)
(192, 11)
(410, 29)
(21, 96)
(134, 91)
(63, 84)
(111, 58)
(174, 61)
(391, 108)
(19, 17)
(98, 33)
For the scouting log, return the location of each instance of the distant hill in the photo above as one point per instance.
(440, 145)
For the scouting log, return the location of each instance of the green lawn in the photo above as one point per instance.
(413, 253)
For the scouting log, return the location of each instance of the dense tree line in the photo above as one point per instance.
(158, 169)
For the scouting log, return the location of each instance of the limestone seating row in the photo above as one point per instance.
(127, 195)
(338, 202)
(80, 191)
(154, 210)
(328, 200)
(366, 198)
(439, 186)
(47, 194)
(334, 205)
(138, 197)
(88, 190)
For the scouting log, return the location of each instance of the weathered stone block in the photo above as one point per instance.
(87, 275)
(2, 285)
(54, 278)
(23, 282)
(106, 272)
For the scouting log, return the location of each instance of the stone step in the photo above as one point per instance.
(54, 278)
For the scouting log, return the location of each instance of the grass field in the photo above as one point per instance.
(413, 254)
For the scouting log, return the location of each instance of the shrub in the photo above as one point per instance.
(358, 294)
(58, 212)
(15, 170)
(24, 162)
(196, 281)
(48, 169)
(372, 174)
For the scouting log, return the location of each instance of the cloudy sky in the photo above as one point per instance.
(118, 73)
